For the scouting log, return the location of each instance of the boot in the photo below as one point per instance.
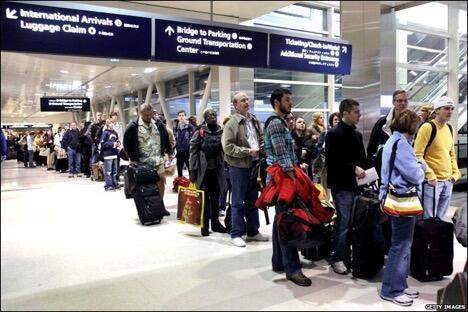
(216, 226)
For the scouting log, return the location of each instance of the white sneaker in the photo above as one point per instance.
(402, 300)
(411, 293)
(238, 242)
(257, 238)
(339, 267)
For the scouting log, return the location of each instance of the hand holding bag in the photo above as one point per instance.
(400, 205)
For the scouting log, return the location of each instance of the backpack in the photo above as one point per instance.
(259, 173)
(210, 143)
(434, 133)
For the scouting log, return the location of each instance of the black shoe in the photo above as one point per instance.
(205, 232)
(218, 227)
(166, 213)
(299, 279)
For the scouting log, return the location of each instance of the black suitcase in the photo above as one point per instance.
(432, 249)
(323, 249)
(366, 242)
(149, 204)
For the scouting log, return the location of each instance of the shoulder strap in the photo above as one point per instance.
(432, 137)
(392, 161)
(267, 122)
(450, 128)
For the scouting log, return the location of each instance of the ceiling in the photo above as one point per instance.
(25, 77)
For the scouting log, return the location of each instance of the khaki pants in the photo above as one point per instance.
(51, 160)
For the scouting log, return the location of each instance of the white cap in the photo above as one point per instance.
(443, 101)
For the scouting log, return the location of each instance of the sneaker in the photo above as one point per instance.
(411, 293)
(339, 267)
(299, 279)
(238, 242)
(257, 238)
(402, 300)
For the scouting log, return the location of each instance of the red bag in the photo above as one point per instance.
(180, 181)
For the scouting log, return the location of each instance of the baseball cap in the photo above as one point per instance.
(443, 101)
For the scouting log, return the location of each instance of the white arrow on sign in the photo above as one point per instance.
(344, 49)
(11, 13)
(169, 30)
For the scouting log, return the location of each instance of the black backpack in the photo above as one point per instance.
(433, 134)
(210, 143)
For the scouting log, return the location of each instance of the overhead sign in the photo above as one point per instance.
(205, 44)
(25, 126)
(309, 55)
(43, 29)
(65, 104)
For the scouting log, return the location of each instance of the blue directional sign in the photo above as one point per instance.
(44, 29)
(65, 104)
(206, 44)
(309, 55)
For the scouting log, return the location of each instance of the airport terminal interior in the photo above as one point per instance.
(69, 243)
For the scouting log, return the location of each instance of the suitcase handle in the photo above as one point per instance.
(433, 198)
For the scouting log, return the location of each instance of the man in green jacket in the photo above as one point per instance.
(242, 140)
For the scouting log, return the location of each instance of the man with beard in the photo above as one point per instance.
(242, 139)
(280, 148)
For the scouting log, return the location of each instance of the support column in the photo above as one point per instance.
(224, 79)
(149, 92)
(93, 111)
(191, 90)
(330, 78)
(112, 104)
(360, 25)
(452, 80)
(123, 118)
(204, 101)
(161, 88)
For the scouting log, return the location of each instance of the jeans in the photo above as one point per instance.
(443, 193)
(94, 155)
(243, 208)
(283, 256)
(344, 203)
(182, 158)
(74, 161)
(110, 173)
(398, 262)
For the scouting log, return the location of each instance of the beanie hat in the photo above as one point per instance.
(443, 101)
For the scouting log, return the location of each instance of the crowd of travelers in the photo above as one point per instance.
(224, 159)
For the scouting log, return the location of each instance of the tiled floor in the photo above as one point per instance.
(68, 245)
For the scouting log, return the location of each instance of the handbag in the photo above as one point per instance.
(44, 151)
(400, 205)
(61, 153)
(190, 205)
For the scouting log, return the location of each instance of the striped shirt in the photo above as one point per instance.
(279, 144)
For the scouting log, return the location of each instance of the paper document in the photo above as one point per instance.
(371, 176)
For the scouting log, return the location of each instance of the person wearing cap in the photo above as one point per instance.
(439, 155)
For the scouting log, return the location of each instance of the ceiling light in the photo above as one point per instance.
(114, 60)
(149, 70)
(107, 87)
(134, 74)
(63, 71)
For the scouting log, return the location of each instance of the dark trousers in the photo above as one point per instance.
(182, 158)
(211, 188)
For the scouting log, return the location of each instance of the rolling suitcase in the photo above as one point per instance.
(366, 242)
(432, 249)
(149, 204)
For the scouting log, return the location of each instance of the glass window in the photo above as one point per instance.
(462, 22)
(422, 49)
(336, 24)
(177, 105)
(422, 86)
(177, 87)
(462, 45)
(433, 15)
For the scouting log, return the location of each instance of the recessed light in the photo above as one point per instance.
(134, 74)
(107, 87)
(63, 71)
(149, 70)
(114, 60)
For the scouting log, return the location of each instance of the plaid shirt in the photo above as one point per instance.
(279, 145)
